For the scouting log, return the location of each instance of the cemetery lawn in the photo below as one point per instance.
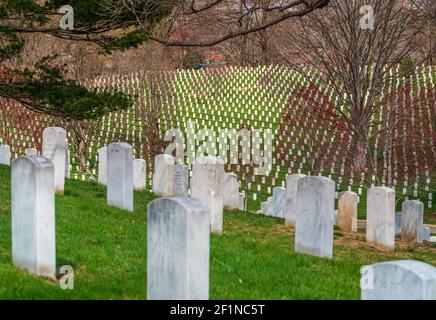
(254, 259)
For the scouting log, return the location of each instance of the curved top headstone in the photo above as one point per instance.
(400, 280)
(169, 159)
(54, 131)
(35, 161)
(208, 160)
(119, 145)
(187, 204)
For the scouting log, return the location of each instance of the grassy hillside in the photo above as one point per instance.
(254, 259)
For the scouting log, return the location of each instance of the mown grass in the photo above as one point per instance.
(254, 259)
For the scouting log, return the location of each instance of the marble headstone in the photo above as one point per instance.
(279, 202)
(231, 191)
(315, 211)
(139, 174)
(54, 144)
(120, 175)
(399, 280)
(207, 186)
(178, 249)
(268, 207)
(67, 163)
(380, 228)
(31, 152)
(426, 233)
(33, 216)
(163, 175)
(5, 155)
(398, 219)
(181, 180)
(412, 221)
(241, 201)
(291, 198)
(102, 166)
(347, 216)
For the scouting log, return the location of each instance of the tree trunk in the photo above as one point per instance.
(359, 158)
(82, 157)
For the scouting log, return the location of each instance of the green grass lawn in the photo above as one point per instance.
(254, 259)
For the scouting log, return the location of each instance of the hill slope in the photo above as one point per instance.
(254, 259)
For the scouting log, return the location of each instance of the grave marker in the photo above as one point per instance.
(163, 175)
(102, 166)
(291, 198)
(181, 180)
(33, 216)
(412, 221)
(231, 191)
(380, 229)
(315, 214)
(178, 249)
(54, 144)
(139, 174)
(399, 280)
(120, 175)
(207, 186)
(347, 215)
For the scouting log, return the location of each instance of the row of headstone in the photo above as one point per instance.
(209, 184)
(179, 246)
(178, 235)
(139, 168)
(308, 204)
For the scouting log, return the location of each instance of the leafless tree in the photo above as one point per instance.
(356, 62)
(252, 49)
(153, 106)
(81, 135)
(425, 14)
(196, 18)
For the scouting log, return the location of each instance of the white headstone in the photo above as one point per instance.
(380, 225)
(412, 221)
(291, 198)
(207, 186)
(231, 191)
(31, 152)
(163, 175)
(120, 175)
(279, 202)
(268, 207)
(54, 144)
(139, 174)
(426, 233)
(181, 180)
(398, 221)
(67, 163)
(5, 155)
(178, 249)
(347, 214)
(399, 280)
(315, 211)
(33, 216)
(241, 201)
(102, 166)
